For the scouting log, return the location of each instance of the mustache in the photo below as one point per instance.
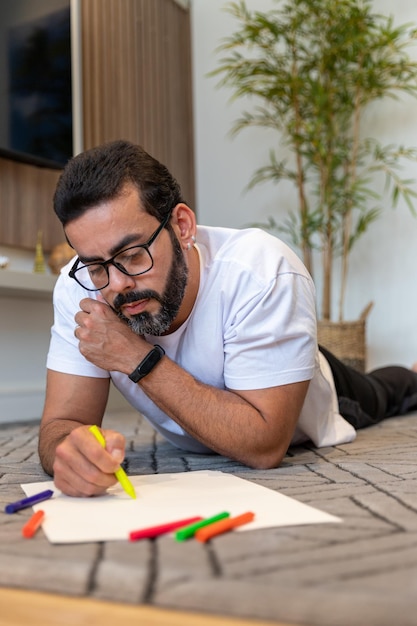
(134, 296)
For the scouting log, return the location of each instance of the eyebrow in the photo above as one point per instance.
(123, 243)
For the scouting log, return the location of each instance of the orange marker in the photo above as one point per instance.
(222, 526)
(30, 528)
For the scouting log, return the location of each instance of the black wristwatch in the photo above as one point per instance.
(148, 363)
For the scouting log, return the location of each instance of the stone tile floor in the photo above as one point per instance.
(362, 572)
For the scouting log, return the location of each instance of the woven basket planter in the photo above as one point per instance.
(346, 340)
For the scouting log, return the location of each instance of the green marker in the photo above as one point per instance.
(188, 531)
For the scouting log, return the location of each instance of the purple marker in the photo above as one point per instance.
(27, 502)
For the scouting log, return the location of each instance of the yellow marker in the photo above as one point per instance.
(120, 473)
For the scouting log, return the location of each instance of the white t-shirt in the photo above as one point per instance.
(253, 326)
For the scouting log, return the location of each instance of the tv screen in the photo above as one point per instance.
(36, 91)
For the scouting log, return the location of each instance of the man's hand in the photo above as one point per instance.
(105, 340)
(82, 467)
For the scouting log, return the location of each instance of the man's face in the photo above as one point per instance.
(150, 302)
(170, 300)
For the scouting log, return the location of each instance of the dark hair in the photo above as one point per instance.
(100, 174)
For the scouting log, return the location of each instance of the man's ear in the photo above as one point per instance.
(184, 223)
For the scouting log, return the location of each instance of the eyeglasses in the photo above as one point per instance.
(131, 261)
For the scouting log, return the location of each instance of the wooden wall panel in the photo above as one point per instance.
(137, 80)
(26, 194)
(137, 86)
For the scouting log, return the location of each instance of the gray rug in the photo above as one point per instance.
(362, 572)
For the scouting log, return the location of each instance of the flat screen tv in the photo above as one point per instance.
(40, 79)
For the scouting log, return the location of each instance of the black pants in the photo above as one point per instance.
(366, 399)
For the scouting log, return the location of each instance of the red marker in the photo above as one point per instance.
(155, 531)
(30, 528)
(222, 526)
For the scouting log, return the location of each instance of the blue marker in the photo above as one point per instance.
(27, 502)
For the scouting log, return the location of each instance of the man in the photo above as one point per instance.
(209, 332)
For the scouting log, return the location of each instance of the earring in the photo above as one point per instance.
(190, 245)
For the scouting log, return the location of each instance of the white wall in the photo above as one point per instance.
(24, 338)
(384, 268)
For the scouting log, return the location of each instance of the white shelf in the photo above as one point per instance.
(26, 285)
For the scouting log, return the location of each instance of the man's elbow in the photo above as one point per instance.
(269, 459)
(45, 463)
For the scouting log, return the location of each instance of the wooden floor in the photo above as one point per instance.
(27, 608)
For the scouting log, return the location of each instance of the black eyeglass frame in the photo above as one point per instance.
(105, 264)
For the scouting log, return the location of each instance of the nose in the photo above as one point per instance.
(119, 281)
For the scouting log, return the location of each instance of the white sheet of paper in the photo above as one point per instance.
(163, 498)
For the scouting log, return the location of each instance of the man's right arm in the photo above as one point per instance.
(74, 401)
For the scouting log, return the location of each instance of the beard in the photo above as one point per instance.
(170, 300)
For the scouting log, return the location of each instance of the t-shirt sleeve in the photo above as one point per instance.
(272, 338)
(64, 355)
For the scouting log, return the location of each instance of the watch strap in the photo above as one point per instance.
(147, 364)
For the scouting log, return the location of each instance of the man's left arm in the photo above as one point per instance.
(254, 427)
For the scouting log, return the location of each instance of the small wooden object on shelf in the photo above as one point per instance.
(39, 266)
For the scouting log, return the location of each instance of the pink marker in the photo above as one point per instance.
(155, 531)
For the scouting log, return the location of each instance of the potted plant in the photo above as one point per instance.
(309, 69)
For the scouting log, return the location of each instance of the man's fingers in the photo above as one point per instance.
(88, 305)
(115, 445)
(82, 467)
